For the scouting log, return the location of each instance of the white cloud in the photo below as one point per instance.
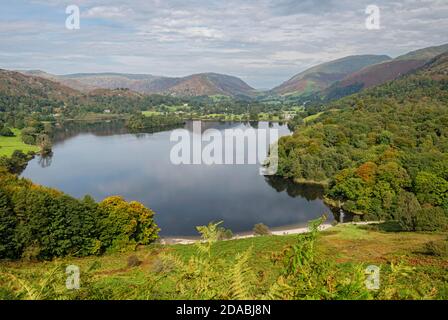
(266, 41)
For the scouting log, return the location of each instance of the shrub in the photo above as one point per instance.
(207, 276)
(431, 219)
(412, 217)
(224, 234)
(27, 139)
(17, 162)
(6, 132)
(306, 276)
(261, 229)
(134, 261)
(437, 248)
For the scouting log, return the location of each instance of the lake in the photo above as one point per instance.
(104, 159)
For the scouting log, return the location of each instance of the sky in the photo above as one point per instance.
(264, 42)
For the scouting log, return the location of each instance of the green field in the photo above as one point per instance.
(151, 113)
(317, 115)
(407, 271)
(9, 144)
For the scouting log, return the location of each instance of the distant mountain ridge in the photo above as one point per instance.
(194, 85)
(380, 73)
(16, 84)
(324, 75)
(326, 81)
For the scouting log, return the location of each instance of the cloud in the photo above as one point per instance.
(262, 41)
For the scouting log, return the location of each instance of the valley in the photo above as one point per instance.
(87, 180)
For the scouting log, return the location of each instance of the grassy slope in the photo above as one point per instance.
(346, 244)
(317, 115)
(9, 144)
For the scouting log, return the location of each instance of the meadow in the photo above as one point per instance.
(407, 270)
(9, 144)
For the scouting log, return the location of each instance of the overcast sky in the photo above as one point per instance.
(264, 42)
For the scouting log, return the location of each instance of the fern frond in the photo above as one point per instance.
(242, 277)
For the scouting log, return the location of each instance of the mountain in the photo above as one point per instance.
(324, 75)
(209, 84)
(425, 53)
(16, 84)
(379, 149)
(71, 83)
(380, 73)
(193, 85)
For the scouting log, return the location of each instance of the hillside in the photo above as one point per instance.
(406, 268)
(71, 83)
(22, 94)
(15, 84)
(194, 85)
(380, 73)
(382, 148)
(322, 76)
(210, 84)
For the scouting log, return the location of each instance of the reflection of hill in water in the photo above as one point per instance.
(205, 125)
(71, 129)
(307, 191)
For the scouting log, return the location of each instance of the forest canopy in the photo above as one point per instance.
(379, 149)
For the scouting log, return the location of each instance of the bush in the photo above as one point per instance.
(27, 139)
(431, 219)
(437, 248)
(412, 217)
(6, 132)
(30, 134)
(224, 234)
(134, 261)
(17, 162)
(261, 229)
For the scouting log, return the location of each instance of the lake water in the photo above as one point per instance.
(104, 159)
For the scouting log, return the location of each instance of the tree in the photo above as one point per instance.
(431, 189)
(8, 222)
(44, 143)
(6, 132)
(407, 209)
(126, 224)
(431, 219)
(261, 229)
(17, 162)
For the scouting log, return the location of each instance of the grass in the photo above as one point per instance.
(151, 113)
(372, 244)
(9, 144)
(111, 277)
(312, 117)
(317, 115)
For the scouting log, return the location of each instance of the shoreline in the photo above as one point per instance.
(246, 235)
(278, 232)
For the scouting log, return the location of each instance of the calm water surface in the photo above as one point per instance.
(104, 160)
